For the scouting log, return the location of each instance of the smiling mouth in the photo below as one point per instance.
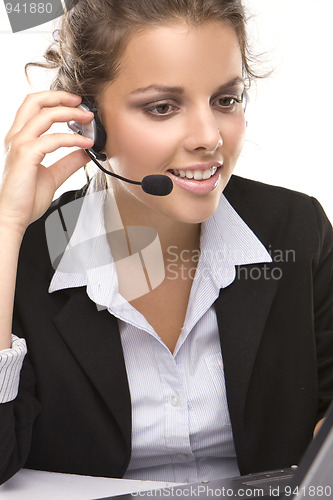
(197, 175)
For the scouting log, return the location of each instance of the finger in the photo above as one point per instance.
(67, 166)
(319, 424)
(34, 102)
(41, 123)
(33, 152)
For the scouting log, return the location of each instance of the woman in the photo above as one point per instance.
(222, 366)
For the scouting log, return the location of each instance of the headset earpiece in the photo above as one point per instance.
(245, 98)
(93, 130)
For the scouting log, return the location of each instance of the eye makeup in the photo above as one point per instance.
(171, 98)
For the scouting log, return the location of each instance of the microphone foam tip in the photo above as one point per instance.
(158, 185)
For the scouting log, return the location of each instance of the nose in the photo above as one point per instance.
(202, 131)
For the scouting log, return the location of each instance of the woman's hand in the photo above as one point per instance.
(28, 187)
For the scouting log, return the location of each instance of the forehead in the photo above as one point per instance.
(180, 54)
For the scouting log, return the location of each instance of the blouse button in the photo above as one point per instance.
(175, 400)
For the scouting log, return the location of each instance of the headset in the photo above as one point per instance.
(158, 185)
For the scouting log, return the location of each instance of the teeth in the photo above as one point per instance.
(206, 174)
(197, 175)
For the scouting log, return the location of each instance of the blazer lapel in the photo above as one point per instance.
(94, 339)
(242, 309)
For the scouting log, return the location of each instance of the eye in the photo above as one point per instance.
(161, 109)
(228, 102)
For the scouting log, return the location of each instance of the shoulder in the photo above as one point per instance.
(271, 211)
(34, 252)
(247, 192)
(57, 204)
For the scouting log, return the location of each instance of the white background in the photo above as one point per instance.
(290, 132)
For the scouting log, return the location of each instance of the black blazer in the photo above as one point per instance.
(73, 410)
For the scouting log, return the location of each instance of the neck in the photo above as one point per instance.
(172, 233)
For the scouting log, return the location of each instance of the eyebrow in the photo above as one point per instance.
(180, 90)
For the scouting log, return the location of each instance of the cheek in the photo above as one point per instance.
(137, 142)
(233, 137)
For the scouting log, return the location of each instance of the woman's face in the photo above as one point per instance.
(176, 89)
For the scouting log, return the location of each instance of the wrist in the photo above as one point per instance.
(11, 231)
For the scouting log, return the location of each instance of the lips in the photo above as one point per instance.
(193, 178)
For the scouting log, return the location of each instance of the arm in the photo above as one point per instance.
(27, 186)
(323, 310)
(9, 251)
(26, 192)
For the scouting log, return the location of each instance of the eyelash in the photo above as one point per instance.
(234, 100)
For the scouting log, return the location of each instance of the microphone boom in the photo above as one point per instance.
(157, 185)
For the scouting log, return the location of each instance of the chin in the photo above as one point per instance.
(197, 214)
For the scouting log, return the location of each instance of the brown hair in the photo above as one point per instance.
(94, 33)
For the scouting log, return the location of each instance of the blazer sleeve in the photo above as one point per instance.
(16, 420)
(323, 308)
(17, 417)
